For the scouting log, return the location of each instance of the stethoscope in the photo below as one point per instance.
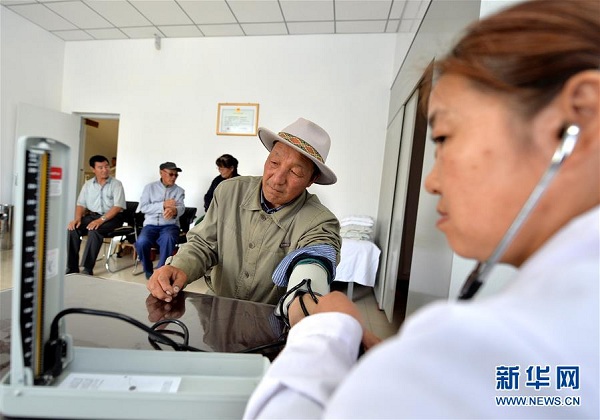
(482, 270)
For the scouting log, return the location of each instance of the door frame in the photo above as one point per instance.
(82, 166)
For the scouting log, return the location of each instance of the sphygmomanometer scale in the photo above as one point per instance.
(212, 385)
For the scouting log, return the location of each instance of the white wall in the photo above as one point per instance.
(31, 71)
(403, 43)
(167, 100)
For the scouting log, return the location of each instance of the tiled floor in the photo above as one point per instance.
(363, 296)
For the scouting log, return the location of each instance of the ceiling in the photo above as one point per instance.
(79, 20)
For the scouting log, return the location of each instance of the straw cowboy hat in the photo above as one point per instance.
(309, 139)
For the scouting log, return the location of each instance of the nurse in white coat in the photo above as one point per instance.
(519, 91)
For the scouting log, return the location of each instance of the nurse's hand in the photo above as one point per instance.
(332, 302)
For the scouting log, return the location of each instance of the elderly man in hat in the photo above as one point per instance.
(162, 205)
(264, 235)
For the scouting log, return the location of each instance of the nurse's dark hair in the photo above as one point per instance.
(529, 50)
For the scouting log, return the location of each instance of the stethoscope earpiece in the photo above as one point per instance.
(568, 129)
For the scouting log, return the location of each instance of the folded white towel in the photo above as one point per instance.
(356, 228)
(357, 232)
(354, 223)
(357, 220)
(356, 235)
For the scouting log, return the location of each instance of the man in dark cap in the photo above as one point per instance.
(162, 205)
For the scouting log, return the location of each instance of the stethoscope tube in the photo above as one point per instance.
(482, 270)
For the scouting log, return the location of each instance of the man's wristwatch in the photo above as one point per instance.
(103, 218)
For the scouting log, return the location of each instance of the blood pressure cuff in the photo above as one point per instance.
(323, 254)
(308, 276)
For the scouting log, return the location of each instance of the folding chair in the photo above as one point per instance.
(122, 232)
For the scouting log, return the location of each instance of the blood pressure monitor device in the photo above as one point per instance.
(80, 382)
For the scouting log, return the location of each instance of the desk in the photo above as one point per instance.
(216, 324)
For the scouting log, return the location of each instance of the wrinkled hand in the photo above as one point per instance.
(74, 224)
(94, 224)
(169, 213)
(332, 302)
(159, 310)
(166, 282)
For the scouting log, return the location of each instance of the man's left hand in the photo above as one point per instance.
(94, 224)
(169, 213)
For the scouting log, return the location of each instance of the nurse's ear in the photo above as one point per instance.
(580, 102)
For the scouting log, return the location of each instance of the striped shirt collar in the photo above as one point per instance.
(265, 206)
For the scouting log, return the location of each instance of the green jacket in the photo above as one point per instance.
(244, 244)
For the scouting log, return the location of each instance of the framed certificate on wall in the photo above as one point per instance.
(237, 119)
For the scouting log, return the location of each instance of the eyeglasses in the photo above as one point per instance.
(172, 174)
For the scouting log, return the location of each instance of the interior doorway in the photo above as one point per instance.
(100, 137)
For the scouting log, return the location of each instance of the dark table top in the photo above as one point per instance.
(215, 324)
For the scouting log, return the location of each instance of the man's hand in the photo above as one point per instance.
(169, 213)
(94, 224)
(332, 302)
(170, 208)
(166, 282)
(74, 224)
(171, 202)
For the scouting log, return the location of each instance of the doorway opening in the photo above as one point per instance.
(100, 136)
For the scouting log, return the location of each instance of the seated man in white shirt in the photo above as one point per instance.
(98, 211)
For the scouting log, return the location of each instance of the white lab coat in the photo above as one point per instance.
(444, 361)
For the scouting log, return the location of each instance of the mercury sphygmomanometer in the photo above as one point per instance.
(482, 270)
(71, 381)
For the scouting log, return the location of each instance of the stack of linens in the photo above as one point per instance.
(357, 227)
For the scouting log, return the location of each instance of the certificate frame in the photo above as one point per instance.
(237, 119)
